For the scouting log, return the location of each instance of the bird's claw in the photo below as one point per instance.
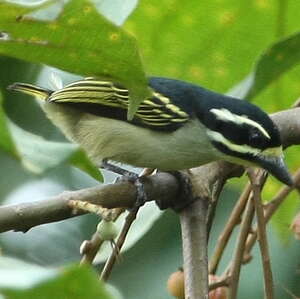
(131, 177)
(141, 196)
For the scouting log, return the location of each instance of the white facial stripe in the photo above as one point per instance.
(226, 115)
(244, 149)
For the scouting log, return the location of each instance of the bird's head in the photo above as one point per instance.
(246, 135)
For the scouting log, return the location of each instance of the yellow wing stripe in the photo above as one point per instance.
(158, 110)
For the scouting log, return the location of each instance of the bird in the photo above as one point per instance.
(179, 126)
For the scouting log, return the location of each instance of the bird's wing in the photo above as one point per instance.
(107, 99)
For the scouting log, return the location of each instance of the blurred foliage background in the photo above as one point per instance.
(217, 44)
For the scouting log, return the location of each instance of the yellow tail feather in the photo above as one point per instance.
(38, 92)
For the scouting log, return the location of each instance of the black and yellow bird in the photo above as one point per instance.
(180, 126)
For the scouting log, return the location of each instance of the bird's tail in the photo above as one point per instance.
(38, 92)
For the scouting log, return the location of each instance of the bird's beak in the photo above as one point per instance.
(276, 167)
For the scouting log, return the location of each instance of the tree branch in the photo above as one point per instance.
(194, 243)
(234, 219)
(270, 209)
(288, 122)
(239, 251)
(118, 246)
(22, 217)
(262, 240)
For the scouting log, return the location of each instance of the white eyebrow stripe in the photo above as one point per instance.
(226, 115)
(244, 149)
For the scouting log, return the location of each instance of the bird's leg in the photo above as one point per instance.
(185, 197)
(114, 168)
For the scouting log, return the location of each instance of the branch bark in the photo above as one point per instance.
(262, 236)
(288, 122)
(22, 217)
(239, 251)
(270, 209)
(194, 241)
(234, 219)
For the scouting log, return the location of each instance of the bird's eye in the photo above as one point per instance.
(256, 139)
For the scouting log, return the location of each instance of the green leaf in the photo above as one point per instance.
(6, 142)
(213, 43)
(72, 282)
(80, 160)
(39, 155)
(276, 61)
(79, 40)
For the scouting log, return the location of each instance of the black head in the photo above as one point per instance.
(246, 134)
(241, 131)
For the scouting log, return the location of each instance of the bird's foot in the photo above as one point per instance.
(137, 181)
(185, 197)
(129, 176)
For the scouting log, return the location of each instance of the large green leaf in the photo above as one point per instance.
(207, 42)
(39, 155)
(22, 280)
(276, 61)
(6, 142)
(79, 40)
(215, 43)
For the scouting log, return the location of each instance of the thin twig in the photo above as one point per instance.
(194, 236)
(262, 237)
(117, 248)
(91, 247)
(293, 296)
(233, 220)
(213, 205)
(239, 251)
(270, 208)
(223, 282)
